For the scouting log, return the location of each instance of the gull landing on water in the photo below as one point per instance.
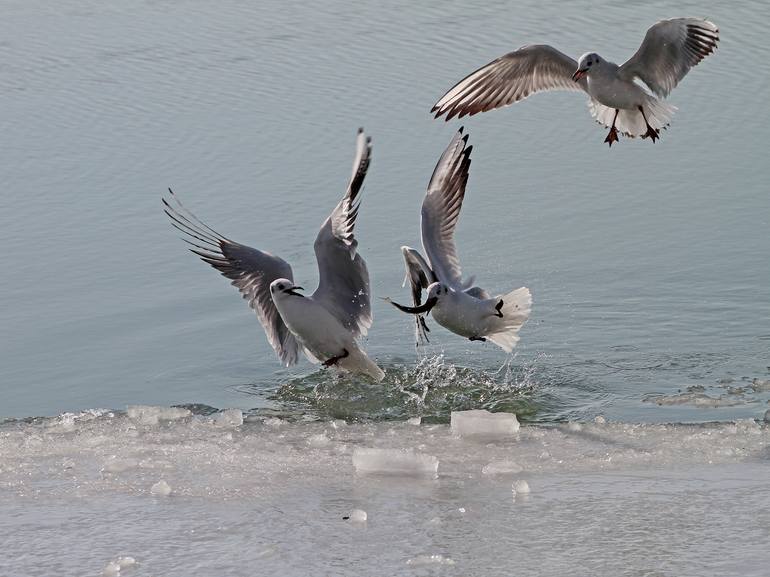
(464, 309)
(323, 325)
(669, 49)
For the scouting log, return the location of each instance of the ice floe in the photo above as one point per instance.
(161, 489)
(403, 462)
(482, 423)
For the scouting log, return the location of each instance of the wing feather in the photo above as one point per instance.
(343, 286)
(508, 79)
(668, 52)
(250, 270)
(441, 210)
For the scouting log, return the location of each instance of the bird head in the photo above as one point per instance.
(586, 63)
(280, 288)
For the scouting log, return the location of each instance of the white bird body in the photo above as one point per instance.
(325, 324)
(465, 310)
(465, 315)
(605, 86)
(668, 52)
(321, 334)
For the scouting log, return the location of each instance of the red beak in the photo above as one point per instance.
(578, 75)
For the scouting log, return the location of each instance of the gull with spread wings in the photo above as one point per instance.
(457, 305)
(669, 49)
(324, 325)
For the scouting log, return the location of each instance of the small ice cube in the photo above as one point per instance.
(229, 418)
(600, 420)
(358, 516)
(521, 486)
(273, 422)
(503, 467)
(482, 423)
(414, 421)
(161, 489)
(114, 464)
(430, 560)
(124, 562)
(574, 427)
(150, 415)
(113, 567)
(318, 440)
(760, 385)
(394, 462)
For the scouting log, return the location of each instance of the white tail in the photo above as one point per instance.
(515, 310)
(631, 122)
(359, 362)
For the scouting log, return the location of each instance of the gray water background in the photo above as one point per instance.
(648, 263)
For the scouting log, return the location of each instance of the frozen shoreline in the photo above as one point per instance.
(218, 496)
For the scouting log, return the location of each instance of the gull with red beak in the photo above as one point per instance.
(466, 310)
(323, 325)
(669, 49)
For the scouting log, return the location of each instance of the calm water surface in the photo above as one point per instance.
(648, 263)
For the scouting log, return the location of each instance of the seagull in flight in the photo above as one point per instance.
(669, 49)
(466, 310)
(324, 325)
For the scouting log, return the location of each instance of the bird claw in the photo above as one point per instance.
(334, 360)
(652, 133)
(612, 136)
(482, 339)
(498, 306)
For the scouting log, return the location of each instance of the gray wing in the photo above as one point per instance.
(441, 210)
(420, 277)
(249, 269)
(670, 48)
(509, 79)
(343, 287)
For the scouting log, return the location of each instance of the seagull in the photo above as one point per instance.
(669, 49)
(466, 310)
(323, 325)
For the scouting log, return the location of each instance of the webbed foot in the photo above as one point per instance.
(330, 362)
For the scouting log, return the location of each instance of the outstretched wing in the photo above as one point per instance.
(670, 48)
(420, 277)
(249, 269)
(441, 210)
(343, 287)
(509, 79)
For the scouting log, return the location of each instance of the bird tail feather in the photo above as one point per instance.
(515, 310)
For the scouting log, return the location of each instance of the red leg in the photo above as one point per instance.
(612, 136)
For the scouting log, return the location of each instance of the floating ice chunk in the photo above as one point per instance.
(505, 467)
(760, 385)
(358, 516)
(150, 415)
(338, 424)
(115, 464)
(394, 462)
(274, 422)
(229, 418)
(161, 489)
(521, 486)
(319, 440)
(416, 421)
(574, 427)
(113, 568)
(430, 560)
(482, 423)
(697, 399)
(600, 420)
